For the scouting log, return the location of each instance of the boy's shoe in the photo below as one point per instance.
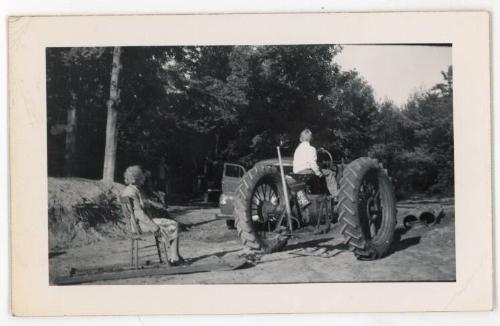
(302, 199)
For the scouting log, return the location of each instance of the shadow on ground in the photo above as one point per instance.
(399, 243)
(219, 254)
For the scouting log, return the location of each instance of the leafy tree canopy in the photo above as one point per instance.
(194, 104)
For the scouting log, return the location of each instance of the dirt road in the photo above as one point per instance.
(420, 254)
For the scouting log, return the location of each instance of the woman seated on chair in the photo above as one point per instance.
(167, 229)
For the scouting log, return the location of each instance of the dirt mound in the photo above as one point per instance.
(83, 211)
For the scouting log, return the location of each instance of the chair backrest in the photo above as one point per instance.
(127, 205)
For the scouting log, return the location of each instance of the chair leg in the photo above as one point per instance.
(157, 243)
(132, 252)
(137, 254)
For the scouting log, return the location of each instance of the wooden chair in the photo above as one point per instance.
(137, 235)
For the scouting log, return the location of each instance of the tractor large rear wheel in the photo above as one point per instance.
(258, 206)
(367, 208)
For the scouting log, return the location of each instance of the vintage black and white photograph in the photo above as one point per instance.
(250, 164)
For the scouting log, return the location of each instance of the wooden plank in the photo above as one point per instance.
(110, 268)
(320, 252)
(145, 272)
(325, 255)
(310, 237)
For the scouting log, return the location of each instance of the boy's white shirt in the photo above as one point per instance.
(305, 158)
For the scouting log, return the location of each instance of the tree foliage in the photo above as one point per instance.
(195, 104)
(416, 142)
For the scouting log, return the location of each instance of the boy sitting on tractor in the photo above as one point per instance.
(304, 163)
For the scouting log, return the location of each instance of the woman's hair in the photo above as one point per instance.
(305, 135)
(133, 175)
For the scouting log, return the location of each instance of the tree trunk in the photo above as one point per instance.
(216, 145)
(70, 149)
(111, 130)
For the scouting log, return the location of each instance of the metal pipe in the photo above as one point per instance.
(285, 191)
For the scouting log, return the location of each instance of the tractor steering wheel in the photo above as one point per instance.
(331, 165)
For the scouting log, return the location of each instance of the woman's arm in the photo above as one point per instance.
(154, 204)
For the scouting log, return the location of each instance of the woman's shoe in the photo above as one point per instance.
(179, 262)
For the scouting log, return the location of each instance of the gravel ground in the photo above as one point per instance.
(420, 254)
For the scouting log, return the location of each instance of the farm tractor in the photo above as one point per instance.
(262, 204)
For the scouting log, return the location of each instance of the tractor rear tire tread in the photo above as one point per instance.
(243, 218)
(347, 209)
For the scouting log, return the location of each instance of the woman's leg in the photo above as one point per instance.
(174, 249)
(170, 233)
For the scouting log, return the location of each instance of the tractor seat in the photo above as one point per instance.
(297, 181)
(304, 177)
